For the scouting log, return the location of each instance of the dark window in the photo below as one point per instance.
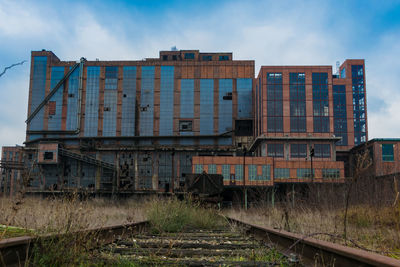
(387, 152)
(189, 56)
(243, 127)
(165, 57)
(227, 96)
(71, 95)
(298, 150)
(322, 151)
(207, 58)
(223, 58)
(185, 126)
(275, 150)
(48, 155)
(340, 114)
(357, 75)
(174, 57)
(297, 102)
(274, 102)
(320, 102)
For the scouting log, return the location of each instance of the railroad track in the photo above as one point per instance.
(240, 244)
(217, 247)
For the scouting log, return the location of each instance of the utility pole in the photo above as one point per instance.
(244, 180)
(312, 168)
(172, 174)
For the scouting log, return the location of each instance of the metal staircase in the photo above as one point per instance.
(86, 159)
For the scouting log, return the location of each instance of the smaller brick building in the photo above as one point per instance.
(383, 157)
(10, 173)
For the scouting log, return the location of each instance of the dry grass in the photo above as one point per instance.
(372, 228)
(68, 214)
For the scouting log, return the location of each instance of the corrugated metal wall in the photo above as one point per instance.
(187, 98)
(147, 101)
(225, 105)
(187, 107)
(72, 108)
(166, 102)
(38, 92)
(110, 102)
(128, 101)
(57, 73)
(225, 109)
(244, 98)
(206, 109)
(92, 101)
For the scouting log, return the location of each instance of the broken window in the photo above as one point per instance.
(243, 127)
(227, 96)
(185, 126)
(48, 155)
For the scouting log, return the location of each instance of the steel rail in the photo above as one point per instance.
(16, 251)
(311, 250)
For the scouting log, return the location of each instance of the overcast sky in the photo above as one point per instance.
(270, 32)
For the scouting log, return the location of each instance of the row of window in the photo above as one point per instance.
(299, 150)
(279, 173)
(192, 56)
(320, 96)
(357, 74)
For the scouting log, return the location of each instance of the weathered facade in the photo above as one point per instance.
(145, 119)
(128, 126)
(378, 157)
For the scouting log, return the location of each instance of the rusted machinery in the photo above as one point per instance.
(204, 187)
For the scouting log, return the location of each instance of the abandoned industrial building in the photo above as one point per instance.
(134, 126)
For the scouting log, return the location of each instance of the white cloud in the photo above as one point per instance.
(21, 19)
(271, 33)
(383, 84)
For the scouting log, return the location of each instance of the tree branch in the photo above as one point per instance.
(9, 67)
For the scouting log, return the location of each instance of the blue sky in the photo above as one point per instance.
(270, 32)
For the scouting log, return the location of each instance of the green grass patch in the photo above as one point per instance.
(12, 231)
(172, 215)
